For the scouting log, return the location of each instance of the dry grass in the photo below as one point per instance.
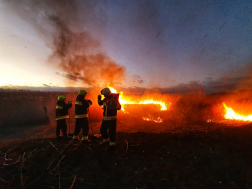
(187, 158)
(27, 107)
(189, 152)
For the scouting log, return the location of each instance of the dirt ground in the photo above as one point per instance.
(192, 157)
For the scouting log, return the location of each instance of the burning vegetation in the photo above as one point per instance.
(127, 100)
(184, 138)
(231, 114)
(152, 112)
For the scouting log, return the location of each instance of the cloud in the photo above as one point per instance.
(137, 78)
(140, 81)
(223, 84)
(45, 85)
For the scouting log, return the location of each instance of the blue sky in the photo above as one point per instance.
(165, 44)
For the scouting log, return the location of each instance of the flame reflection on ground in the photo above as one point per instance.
(151, 118)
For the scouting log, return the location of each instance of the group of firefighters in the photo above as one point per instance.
(110, 105)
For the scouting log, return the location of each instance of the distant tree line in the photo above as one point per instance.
(22, 93)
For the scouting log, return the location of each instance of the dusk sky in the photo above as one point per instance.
(169, 44)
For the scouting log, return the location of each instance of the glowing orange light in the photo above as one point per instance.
(151, 118)
(126, 100)
(230, 114)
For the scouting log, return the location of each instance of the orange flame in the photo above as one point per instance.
(124, 100)
(151, 118)
(230, 114)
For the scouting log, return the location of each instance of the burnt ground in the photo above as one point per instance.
(187, 158)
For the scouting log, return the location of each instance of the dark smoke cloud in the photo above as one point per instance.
(224, 84)
(184, 88)
(246, 80)
(137, 78)
(209, 86)
(80, 57)
(232, 82)
(74, 49)
(45, 85)
(236, 80)
(221, 85)
(140, 81)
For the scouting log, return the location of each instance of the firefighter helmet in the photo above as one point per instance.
(105, 91)
(82, 92)
(61, 97)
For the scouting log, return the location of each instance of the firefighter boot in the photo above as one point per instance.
(75, 137)
(84, 140)
(111, 146)
(105, 142)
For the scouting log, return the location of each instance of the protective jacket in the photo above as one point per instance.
(110, 107)
(62, 110)
(81, 107)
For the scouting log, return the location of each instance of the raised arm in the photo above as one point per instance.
(100, 101)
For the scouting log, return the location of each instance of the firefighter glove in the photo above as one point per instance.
(99, 98)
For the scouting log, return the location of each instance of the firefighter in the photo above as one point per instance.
(81, 116)
(62, 115)
(110, 105)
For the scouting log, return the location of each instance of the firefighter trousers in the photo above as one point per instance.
(61, 125)
(111, 126)
(81, 123)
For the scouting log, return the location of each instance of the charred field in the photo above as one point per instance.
(193, 146)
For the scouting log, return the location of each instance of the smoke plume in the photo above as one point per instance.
(74, 50)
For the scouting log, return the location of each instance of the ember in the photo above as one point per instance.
(151, 118)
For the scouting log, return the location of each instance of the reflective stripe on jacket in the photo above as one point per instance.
(81, 107)
(78, 103)
(109, 117)
(62, 117)
(81, 116)
(62, 110)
